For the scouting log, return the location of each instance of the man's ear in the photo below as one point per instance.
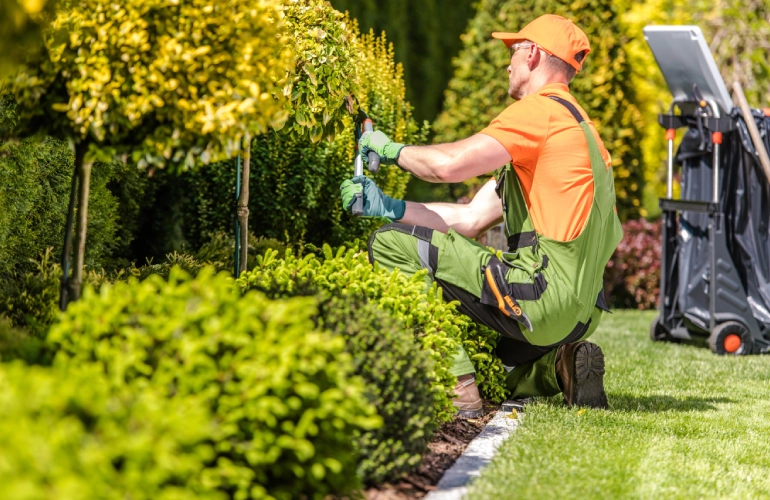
(534, 57)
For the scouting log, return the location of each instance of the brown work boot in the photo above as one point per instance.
(467, 401)
(580, 370)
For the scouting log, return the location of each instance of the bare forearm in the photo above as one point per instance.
(443, 216)
(454, 162)
(429, 163)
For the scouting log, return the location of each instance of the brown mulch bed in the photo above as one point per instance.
(449, 443)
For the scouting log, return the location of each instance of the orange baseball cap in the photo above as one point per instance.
(557, 35)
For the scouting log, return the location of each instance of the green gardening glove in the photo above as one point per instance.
(376, 204)
(382, 145)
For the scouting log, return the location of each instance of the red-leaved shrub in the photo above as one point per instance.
(632, 276)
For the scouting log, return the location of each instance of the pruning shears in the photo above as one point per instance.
(362, 123)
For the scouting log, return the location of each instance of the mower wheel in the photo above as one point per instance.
(657, 332)
(730, 338)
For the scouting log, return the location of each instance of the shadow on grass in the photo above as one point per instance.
(660, 403)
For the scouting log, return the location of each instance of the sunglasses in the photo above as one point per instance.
(520, 45)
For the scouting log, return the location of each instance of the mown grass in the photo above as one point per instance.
(683, 423)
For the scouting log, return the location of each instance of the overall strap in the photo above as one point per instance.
(597, 162)
(604, 187)
(519, 229)
(571, 107)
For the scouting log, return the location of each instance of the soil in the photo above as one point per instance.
(447, 445)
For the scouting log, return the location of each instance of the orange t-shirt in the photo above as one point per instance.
(550, 156)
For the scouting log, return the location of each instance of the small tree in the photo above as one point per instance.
(324, 73)
(168, 82)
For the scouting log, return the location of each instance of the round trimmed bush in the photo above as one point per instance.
(66, 434)
(281, 390)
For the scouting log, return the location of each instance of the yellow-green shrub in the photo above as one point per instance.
(64, 433)
(437, 326)
(294, 188)
(280, 390)
(164, 81)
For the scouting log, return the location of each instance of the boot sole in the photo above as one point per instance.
(589, 377)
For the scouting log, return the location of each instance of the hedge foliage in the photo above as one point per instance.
(397, 375)
(478, 91)
(437, 326)
(324, 72)
(281, 391)
(294, 188)
(66, 434)
(389, 359)
(35, 179)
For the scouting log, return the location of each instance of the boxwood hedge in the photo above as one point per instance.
(64, 433)
(437, 325)
(281, 391)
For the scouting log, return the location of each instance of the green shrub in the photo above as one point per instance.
(65, 434)
(437, 326)
(281, 390)
(397, 374)
(395, 369)
(32, 299)
(478, 91)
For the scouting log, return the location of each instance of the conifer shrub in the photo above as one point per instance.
(65, 433)
(35, 179)
(281, 390)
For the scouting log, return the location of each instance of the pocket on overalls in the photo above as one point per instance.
(498, 291)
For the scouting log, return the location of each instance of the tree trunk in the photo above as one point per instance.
(237, 223)
(84, 178)
(67, 247)
(243, 206)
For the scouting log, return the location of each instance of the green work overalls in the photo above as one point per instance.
(542, 294)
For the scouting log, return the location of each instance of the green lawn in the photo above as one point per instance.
(683, 423)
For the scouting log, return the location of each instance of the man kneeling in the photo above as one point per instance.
(556, 197)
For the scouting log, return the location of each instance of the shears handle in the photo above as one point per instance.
(374, 158)
(358, 204)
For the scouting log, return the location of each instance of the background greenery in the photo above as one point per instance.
(124, 336)
(425, 35)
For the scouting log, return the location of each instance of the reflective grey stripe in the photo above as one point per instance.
(423, 250)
